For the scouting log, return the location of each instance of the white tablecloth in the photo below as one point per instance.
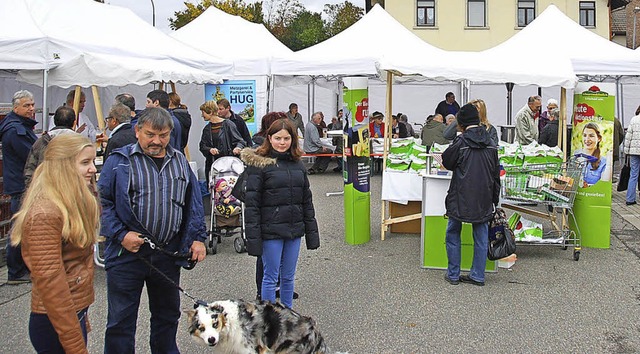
(401, 187)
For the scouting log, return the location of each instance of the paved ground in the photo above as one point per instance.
(375, 298)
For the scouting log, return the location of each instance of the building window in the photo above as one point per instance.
(476, 13)
(588, 13)
(426, 13)
(526, 12)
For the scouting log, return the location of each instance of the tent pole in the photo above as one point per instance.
(45, 97)
(76, 104)
(268, 93)
(386, 145)
(173, 86)
(562, 136)
(98, 104)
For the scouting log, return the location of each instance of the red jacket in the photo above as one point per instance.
(372, 132)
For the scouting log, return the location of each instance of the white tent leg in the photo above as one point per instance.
(45, 97)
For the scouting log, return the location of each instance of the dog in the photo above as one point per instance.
(247, 327)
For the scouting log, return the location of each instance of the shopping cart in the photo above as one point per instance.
(553, 185)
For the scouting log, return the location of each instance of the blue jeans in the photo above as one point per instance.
(634, 161)
(480, 247)
(44, 337)
(280, 258)
(15, 264)
(124, 286)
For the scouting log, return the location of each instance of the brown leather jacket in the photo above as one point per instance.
(62, 274)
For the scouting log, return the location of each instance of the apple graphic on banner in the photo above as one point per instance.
(583, 111)
(362, 110)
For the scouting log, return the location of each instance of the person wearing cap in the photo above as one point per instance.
(544, 116)
(473, 193)
(376, 127)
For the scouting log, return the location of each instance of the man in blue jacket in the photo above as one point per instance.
(148, 190)
(16, 133)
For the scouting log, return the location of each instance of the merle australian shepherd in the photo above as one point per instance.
(247, 327)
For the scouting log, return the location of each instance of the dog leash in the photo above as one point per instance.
(154, 246)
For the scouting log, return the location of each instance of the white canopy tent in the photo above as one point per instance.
(353, 51)
(108, 44)
(590, 54)
(41, 34)
(250, 48)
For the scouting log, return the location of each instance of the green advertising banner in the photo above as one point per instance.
(357, 195)
(592, 138)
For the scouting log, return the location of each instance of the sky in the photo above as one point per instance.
(165, 8)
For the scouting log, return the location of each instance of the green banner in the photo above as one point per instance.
(357, 195)
(592, 138)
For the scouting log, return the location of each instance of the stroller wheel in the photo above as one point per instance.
(213, 247)
(238, 245)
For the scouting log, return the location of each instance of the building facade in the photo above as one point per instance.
(475, 25)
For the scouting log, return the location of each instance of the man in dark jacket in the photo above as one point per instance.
(448, 106)
(17, 136)
(549, 134)
(64, 119)
(121, 133)
(133, 180)
(472, 195)
(224, 111)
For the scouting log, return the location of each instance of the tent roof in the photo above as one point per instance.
(40, 34)
(353, 51)
(250, 48)
(90, 69)
(590, 54)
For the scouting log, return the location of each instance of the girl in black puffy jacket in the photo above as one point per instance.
(278, 209)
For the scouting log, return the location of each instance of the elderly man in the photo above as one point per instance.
(448, 106)
(16, 134)
(148, 190)
(118, 122)
(84, 125)
(433, 131)
(313, 145)
(526, 126)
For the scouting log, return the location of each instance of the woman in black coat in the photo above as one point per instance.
(278, 209)
(220, 137)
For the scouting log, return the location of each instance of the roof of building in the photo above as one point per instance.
(615, 4)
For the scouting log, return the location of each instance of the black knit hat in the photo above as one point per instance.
(468, 115)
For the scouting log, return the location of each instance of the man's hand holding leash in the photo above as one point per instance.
(198, 251)
(132, 241)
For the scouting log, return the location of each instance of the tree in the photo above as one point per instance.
(341, 16)
(250, 12)
(305, 30)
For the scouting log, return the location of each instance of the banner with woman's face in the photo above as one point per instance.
(592, 139)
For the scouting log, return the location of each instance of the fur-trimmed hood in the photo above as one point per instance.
(251, 158)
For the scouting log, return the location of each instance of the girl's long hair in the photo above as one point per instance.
(596, 152)
(482, 112)
(281, 124)
(57, 180)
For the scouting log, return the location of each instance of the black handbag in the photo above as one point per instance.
(240, 188)
(502, 241)
(625, 173)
